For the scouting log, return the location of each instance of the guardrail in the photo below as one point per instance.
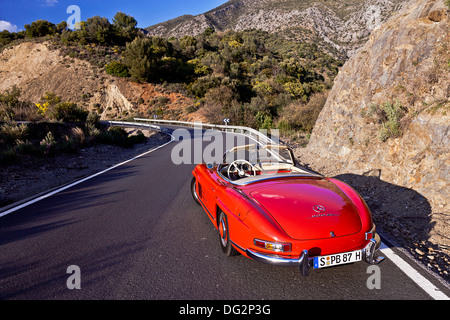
(133, 124)
(150, 124)
(259, 136)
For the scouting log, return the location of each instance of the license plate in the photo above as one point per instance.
(336, 259)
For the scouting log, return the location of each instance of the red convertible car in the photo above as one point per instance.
(269, 209)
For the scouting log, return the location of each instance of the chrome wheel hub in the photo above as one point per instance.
(223, 232)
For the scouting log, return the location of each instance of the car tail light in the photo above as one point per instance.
(273, 246)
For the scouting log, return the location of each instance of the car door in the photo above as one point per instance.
(209, 188)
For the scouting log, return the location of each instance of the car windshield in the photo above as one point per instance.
(250, 163)
(253, 154)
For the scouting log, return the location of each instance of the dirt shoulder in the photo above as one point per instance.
(32, 176)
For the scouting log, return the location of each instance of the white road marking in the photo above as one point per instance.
(26, 204)
(420, 280)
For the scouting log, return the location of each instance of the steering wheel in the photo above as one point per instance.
(241, 168)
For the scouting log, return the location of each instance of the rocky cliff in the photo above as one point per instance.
(386, 124)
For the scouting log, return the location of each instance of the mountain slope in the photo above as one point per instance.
(342, 25)
(35, 69)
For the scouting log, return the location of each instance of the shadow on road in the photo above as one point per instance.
(399, 211)
(402, 215)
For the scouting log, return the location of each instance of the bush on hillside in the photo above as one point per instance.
(39, 28)
(300, 116)
(117, 69)
(70, 112)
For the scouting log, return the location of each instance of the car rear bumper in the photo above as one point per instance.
(304, 262)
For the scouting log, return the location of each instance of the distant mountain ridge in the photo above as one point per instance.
(340, 25)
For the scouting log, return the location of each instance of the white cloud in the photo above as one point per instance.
(49, 3)
(5, 25)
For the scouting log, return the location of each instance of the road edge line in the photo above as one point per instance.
(412, 273)
(70, 185)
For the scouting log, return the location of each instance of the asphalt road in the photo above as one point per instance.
(136, 234)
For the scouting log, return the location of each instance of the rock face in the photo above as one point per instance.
(405, 67)
(342, 24)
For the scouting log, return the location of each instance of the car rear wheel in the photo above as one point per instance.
(224, 236)
(194, 190)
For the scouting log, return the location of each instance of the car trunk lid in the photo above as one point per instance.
(308, 208)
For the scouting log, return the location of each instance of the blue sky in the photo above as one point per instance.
(14, 14)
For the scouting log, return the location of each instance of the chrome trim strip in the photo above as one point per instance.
(303, 262)
(267, 177)
(272, 259)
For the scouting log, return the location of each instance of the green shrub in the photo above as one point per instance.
(10, 97)
(200, 87)
(48, 144)
(118, 136)
(296, 90)
(26, 147)
(93, 118)
(40, 28)
(10, 132)
(264, 120)
(137, 59)
(92, 130)
(125, 27)
(6, 38)
(302, 116)
(70, 112)
(388, 115)
(139, 137)
(117, 69)
(392, 113)
(114, 136)
(11, 107)
(98, 30)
